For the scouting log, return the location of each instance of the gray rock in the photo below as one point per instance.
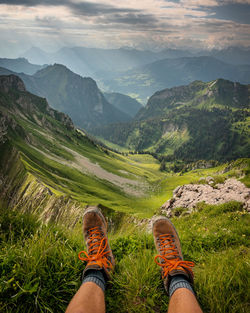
(190, 195)
(209, 179)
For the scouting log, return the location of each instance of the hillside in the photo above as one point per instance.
(49, 171)
(72, 94)
(146, 80)
(20, 65)
(123, 103)
(198, 121)
(51, 154)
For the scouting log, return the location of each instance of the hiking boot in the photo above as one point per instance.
(99, 255)
(170, 257)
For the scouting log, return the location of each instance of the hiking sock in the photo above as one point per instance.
(95, 276)
(179, 281)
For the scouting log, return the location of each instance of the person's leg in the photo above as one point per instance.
(176, 273)
(90, 297)
(183, 301)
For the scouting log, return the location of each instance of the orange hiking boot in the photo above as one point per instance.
(99, 255)
(170, 257)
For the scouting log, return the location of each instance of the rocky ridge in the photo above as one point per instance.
(21, 102)
(188, 196)
(11, 82)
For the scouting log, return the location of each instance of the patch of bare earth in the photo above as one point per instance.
(133, 187)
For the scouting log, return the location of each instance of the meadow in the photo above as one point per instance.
(39, 267)
(40, 271)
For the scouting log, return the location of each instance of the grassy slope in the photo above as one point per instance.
(38, 264)
(89, 189)
(40, 271)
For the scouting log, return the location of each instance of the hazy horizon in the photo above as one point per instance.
(145, 25)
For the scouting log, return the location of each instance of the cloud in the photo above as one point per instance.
(80, 8)
(132, 19)
(111, 23)
(237, 12)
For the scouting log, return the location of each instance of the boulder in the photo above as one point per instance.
(187, 196)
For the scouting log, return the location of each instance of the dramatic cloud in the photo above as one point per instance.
(151, 24)
(237, 12)
(81, 8)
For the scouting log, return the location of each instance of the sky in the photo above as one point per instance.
(140, 24)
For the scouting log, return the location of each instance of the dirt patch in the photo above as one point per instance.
(133, 187)
(84, 165)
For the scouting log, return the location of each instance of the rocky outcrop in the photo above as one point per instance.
(21, 102)
(3, 128)
(10, 82)
(187, 196)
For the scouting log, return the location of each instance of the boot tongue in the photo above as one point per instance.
(170, 249)
(95, 244)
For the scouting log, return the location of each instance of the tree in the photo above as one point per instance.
(163, 166)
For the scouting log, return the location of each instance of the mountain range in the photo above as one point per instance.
(50, 171)
(145, 80)
(140, 73)
(96, 59)
(20, 65)
(197, 121)
(202, 120)
(88, 61)
(72, 94)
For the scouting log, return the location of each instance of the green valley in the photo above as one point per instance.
(50, 170)
(124, 156)
(193, 122)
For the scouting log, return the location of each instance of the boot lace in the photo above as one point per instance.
(96, 250)
(168, 249)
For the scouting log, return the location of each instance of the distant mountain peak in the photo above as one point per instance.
(62, 69)
(36, 50)
(77, 96)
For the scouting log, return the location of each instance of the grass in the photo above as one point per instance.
(40, 271)
(88, 189)
(49, 167)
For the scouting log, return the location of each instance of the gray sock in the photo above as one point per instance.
(179, 281)
(95, 276)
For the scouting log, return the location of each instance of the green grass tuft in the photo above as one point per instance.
(40, 271)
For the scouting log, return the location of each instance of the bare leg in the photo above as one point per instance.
(183, 301)
(88, 299)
